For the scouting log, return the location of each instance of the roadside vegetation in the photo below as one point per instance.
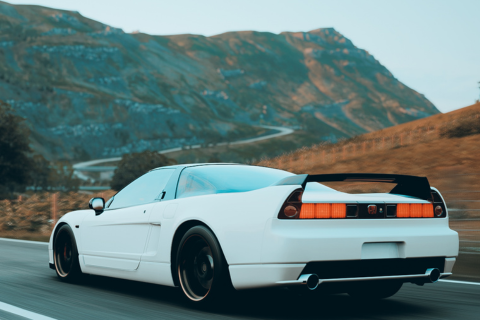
(445, 148)
(32, 215)
(20, 167)
(134, 165)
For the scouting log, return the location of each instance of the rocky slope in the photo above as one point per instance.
(89, 90)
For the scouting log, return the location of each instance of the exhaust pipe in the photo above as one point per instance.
(311, 280)
(433, 275)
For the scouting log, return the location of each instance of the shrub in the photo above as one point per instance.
(134, 165)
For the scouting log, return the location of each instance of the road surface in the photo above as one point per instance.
(30, 290)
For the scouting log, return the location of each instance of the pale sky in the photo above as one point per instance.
(432, 46)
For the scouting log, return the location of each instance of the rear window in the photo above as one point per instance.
(202, 180)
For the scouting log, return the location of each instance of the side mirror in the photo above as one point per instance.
(97, 204)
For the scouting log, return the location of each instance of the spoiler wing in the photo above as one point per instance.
(413, 186)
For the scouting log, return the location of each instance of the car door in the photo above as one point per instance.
(116, 238)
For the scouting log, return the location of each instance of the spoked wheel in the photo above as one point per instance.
(65, 254)
(202, 270)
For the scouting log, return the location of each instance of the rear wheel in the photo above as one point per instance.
(201, 268)
(65, 255)
(374, 290)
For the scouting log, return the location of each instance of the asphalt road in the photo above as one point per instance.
(28, 285)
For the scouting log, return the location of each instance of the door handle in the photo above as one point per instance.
(155, 223)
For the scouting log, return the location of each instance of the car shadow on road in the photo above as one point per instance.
(263, 304)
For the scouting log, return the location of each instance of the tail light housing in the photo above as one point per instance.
(439, 208)
(293, 208)
(414, 210)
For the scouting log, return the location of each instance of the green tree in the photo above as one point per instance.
(41, 173)
(15, 164)
(134, 165)
(61, 177)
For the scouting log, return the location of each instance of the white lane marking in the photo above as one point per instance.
(22, 312)
(24, 241)
(461, 282)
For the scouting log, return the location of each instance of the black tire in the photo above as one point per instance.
(201, 267)
(65, 255)
(375, 290)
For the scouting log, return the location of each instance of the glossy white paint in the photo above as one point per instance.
(115, 238)
(136, 243)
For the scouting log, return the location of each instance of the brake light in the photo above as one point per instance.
(403, 210)
(414, 210)
(293, 208)
(308, 211)
(339, 210)
(323, 211)
(428, 210)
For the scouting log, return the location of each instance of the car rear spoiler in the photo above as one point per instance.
(412, 186)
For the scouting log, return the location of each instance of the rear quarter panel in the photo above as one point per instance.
(238, 220)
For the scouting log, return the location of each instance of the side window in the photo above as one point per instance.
(191, 185)
(143, 190)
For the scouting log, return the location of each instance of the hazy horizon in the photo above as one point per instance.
(427, 45)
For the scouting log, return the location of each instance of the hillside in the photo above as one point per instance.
(76, 81)
(445, 148)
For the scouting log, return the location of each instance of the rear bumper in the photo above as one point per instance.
(302, 241)
(275, 275)
(348, 249)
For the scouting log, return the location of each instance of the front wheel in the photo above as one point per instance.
(65, 255)
(375, 290)
(201, 266)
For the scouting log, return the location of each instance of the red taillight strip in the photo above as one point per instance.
(293, 208)
(323, 211)
(307, 211)
(414, 210)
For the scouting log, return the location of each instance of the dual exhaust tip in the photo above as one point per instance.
(433, 275)
(312, 280)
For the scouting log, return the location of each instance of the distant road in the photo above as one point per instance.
(83, 166)
(30, 290)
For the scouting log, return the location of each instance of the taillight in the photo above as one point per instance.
(339, 210)
(403, 210)
(427, 211)
(308, 211)
(440, 209)
(323, 211)
(291, 208)
(414, 210)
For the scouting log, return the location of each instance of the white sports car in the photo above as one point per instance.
(210, 227)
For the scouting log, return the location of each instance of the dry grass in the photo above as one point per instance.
(33, 216)
(422, 148)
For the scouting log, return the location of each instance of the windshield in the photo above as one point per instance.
(201, 180)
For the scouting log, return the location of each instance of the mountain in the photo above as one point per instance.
(88, 90)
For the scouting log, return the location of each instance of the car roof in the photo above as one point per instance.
(186, 165)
